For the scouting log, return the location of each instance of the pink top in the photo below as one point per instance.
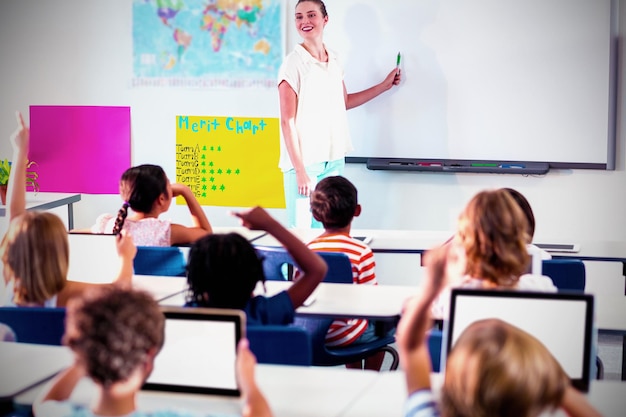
(150, 231)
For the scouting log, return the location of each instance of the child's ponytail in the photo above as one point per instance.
(121, 217)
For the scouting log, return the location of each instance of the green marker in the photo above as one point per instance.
(483, 164)
(398, 63)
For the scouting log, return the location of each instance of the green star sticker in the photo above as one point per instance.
(229, 171)
(203, 179)
(212, 179)
(203, 194)
(214, 187)
(203, 163)
(211, 148)
(219, 171)
(204, 187)
(203, 156)
(222, 188)
(211, 163)
(237, 171)
(211, 171)
(203, 171)
(204, 148)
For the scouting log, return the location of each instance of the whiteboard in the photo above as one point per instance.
(518, 80)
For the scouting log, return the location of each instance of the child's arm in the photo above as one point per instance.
(255, 403)
(576, 405)
(201, 225)
(61, 387)
(127, 250)
(17, 180)
(312, 266)
(412, 328)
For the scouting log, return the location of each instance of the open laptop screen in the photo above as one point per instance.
(562, 322)
(199, 352)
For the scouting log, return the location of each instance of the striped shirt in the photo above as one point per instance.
(343, 332)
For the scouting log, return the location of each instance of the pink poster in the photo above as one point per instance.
(80, 149)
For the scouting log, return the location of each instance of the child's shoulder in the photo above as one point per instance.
(338, 241)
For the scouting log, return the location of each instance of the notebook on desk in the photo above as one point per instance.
(563, 322)
(199, 352)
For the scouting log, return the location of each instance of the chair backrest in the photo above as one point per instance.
(435, 340)
(283, 345)
(566, 274)
(40, 325)
(277, 262)
(154, 260)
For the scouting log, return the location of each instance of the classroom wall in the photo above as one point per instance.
(78, 52)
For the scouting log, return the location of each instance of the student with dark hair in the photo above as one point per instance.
(224, 269)
(530, 217)
(334, 203)
(115, 335)
(147, 191)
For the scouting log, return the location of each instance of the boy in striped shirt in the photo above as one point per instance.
(334, 203)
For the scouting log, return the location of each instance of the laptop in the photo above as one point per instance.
(93, 258)
(563, 322)
(199, 351)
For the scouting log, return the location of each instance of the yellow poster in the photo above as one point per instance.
(230, 161)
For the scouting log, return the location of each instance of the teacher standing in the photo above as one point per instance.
(313, 112)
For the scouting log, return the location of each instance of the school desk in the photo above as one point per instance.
(161, 287)
(373, 302)
(321, 391)
(47, 201)
(386, 397)
(290, 391)
(24, 365)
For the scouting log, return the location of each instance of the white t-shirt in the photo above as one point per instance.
(528, 282)
(321, 116)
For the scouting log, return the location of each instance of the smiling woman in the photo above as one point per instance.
(313, 104)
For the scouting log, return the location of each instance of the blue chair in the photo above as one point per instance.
(283, 345)
(325, 356)
(154, 260)
(277, 263)
(566, 274)
(40, 325)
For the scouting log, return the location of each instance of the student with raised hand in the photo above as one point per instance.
(147, 191)
(334, 203)
(223, 271)
(42, 236)
(115, 335)
(494, 368)
(313, 105)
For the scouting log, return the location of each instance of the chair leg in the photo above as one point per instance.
(394, 355)
(600, 368)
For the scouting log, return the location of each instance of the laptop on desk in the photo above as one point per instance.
(563, 322)
(199, 351)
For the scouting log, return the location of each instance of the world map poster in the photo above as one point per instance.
(207, 43)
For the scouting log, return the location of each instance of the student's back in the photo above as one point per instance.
(223, 270)
(147, 191)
